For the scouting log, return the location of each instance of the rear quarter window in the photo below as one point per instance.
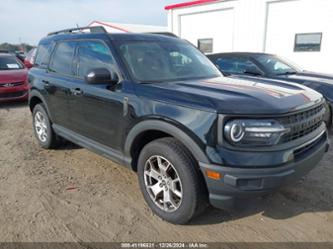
(43, 55)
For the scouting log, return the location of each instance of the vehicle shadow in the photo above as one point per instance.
(284, 204)
(67, 145)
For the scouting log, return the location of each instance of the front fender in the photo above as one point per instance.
(171, 129)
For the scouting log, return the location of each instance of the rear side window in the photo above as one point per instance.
(236, 65)
(62, 59)
(91, 55)
(42, 55)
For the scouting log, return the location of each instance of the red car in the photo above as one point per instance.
(13, 79)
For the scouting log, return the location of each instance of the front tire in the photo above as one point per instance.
(44, 133)
(170, 181)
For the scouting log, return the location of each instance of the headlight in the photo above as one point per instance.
(254, 132)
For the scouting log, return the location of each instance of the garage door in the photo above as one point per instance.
(214, 27)
(310, 21)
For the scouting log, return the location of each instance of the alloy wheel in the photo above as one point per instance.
(41, 126)
(163, 184)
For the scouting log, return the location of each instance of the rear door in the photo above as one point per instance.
(60, 75)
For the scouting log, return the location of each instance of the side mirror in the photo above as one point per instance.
(101, 76)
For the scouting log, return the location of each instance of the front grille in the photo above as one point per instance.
(299, 153)
(11, 84)
(302, 123)
(13, 94)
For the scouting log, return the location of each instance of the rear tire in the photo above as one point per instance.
(170, 181)
(44, 133)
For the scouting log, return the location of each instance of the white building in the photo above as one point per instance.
(300, 30)
(126, 28)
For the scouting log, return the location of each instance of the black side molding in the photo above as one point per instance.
(91, 145)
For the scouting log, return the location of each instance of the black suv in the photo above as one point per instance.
(157, 105)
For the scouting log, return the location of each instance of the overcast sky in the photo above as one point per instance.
(29, 20)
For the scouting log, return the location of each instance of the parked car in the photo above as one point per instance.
(13, 79)
(157, 105)
(273, 67)
(30, 58)
(20, 55)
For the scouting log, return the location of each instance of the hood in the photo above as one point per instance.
(322, 83)
(235, 95)
(10, 76)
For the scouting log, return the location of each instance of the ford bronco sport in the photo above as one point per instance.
(157, 105)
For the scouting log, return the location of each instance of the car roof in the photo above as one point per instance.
(115, 37)
(248, 54)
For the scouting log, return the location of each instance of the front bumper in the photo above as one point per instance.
(17, 93)
(244, 181)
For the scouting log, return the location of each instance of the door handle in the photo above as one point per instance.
(76, 91)
(46, 82)
(48, 86)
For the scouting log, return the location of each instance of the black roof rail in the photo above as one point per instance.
(94, 29)
(163, 33)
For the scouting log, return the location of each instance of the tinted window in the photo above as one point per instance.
(62, 60)
(237, 65)
(9, 63)
(42, 55)
(310, 42)
(165, 61)
(93, 54)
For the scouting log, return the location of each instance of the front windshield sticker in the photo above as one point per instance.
(13, 66)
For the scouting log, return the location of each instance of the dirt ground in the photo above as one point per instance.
(71, 194)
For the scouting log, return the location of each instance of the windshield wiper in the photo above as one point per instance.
(252, 73)
(150, 81)
(287, 73)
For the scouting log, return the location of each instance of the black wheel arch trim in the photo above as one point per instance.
(35, 93)
(165, 127)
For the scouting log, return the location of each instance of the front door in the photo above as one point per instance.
(96, 110)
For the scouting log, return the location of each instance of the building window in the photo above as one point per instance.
(205, 45)
(310, 42)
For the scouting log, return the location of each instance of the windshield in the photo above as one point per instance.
(157, 61)
(9, 63)
(275, 65)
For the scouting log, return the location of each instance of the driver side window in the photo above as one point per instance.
(91, 55)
